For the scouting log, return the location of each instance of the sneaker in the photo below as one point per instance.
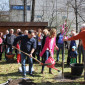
(24, 77)
(57, 60)
(31, 75)
(50, 72)
(41, 72)
(18, 63)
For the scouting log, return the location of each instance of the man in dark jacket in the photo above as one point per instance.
(28, 45)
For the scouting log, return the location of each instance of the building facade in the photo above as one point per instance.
(17, 10)
(55, 12)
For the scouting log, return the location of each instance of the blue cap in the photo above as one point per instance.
(74, 47)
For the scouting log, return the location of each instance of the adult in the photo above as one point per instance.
(28, 45)
(46, 33)
(26, 32)
(9, 42)
(50, 43)
(7, 32)
(44, 57)
(80, 36)
(18, 31)
(39, 38)
(81, 51)
(4, 41)
(34, 54)
(60, 43)
(1, 45)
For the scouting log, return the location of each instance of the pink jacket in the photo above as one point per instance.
(1, 40)
(48, 45)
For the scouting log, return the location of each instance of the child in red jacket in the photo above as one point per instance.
(17, 52)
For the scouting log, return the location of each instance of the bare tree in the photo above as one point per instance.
(76, 5)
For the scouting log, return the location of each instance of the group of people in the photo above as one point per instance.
(41, 43)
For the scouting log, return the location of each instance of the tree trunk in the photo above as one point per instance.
(76, 15)
(33, 11)
(24, 11)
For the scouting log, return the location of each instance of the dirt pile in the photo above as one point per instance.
(21, 82)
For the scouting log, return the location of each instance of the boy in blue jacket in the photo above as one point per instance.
(73, 55)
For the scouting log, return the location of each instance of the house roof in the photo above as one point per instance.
(24, 24)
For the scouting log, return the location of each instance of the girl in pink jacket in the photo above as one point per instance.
(48, 48)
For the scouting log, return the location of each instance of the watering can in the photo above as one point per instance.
(51, 63)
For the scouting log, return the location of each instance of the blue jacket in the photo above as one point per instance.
(59, 39)
(73, 54)
(26, 43)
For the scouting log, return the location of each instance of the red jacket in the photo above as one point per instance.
(81, 36)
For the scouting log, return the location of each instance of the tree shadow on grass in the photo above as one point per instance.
(8, 62)
(11, 74)
(60, 65)
(18, 74)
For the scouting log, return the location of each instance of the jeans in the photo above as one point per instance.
(44, 58)
(60, 46)
(23, 60)
(9, 49)
(81, 51)
(68, 57)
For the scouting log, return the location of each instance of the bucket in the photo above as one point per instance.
(77, 69)
(10, 56)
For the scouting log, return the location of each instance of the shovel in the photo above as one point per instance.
(45, 64)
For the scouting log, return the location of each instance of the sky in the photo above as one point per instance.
(4, 5)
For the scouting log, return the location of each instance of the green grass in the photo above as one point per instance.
(10, 71)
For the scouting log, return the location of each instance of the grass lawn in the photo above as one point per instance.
(10, 71)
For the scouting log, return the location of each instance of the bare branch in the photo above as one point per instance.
(78, 13)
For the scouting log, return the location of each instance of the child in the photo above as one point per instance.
(73, 55)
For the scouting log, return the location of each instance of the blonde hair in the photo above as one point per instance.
(26, 32)
(45, 30)
(52, 31)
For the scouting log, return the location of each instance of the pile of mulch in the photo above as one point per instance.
(21, 82)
